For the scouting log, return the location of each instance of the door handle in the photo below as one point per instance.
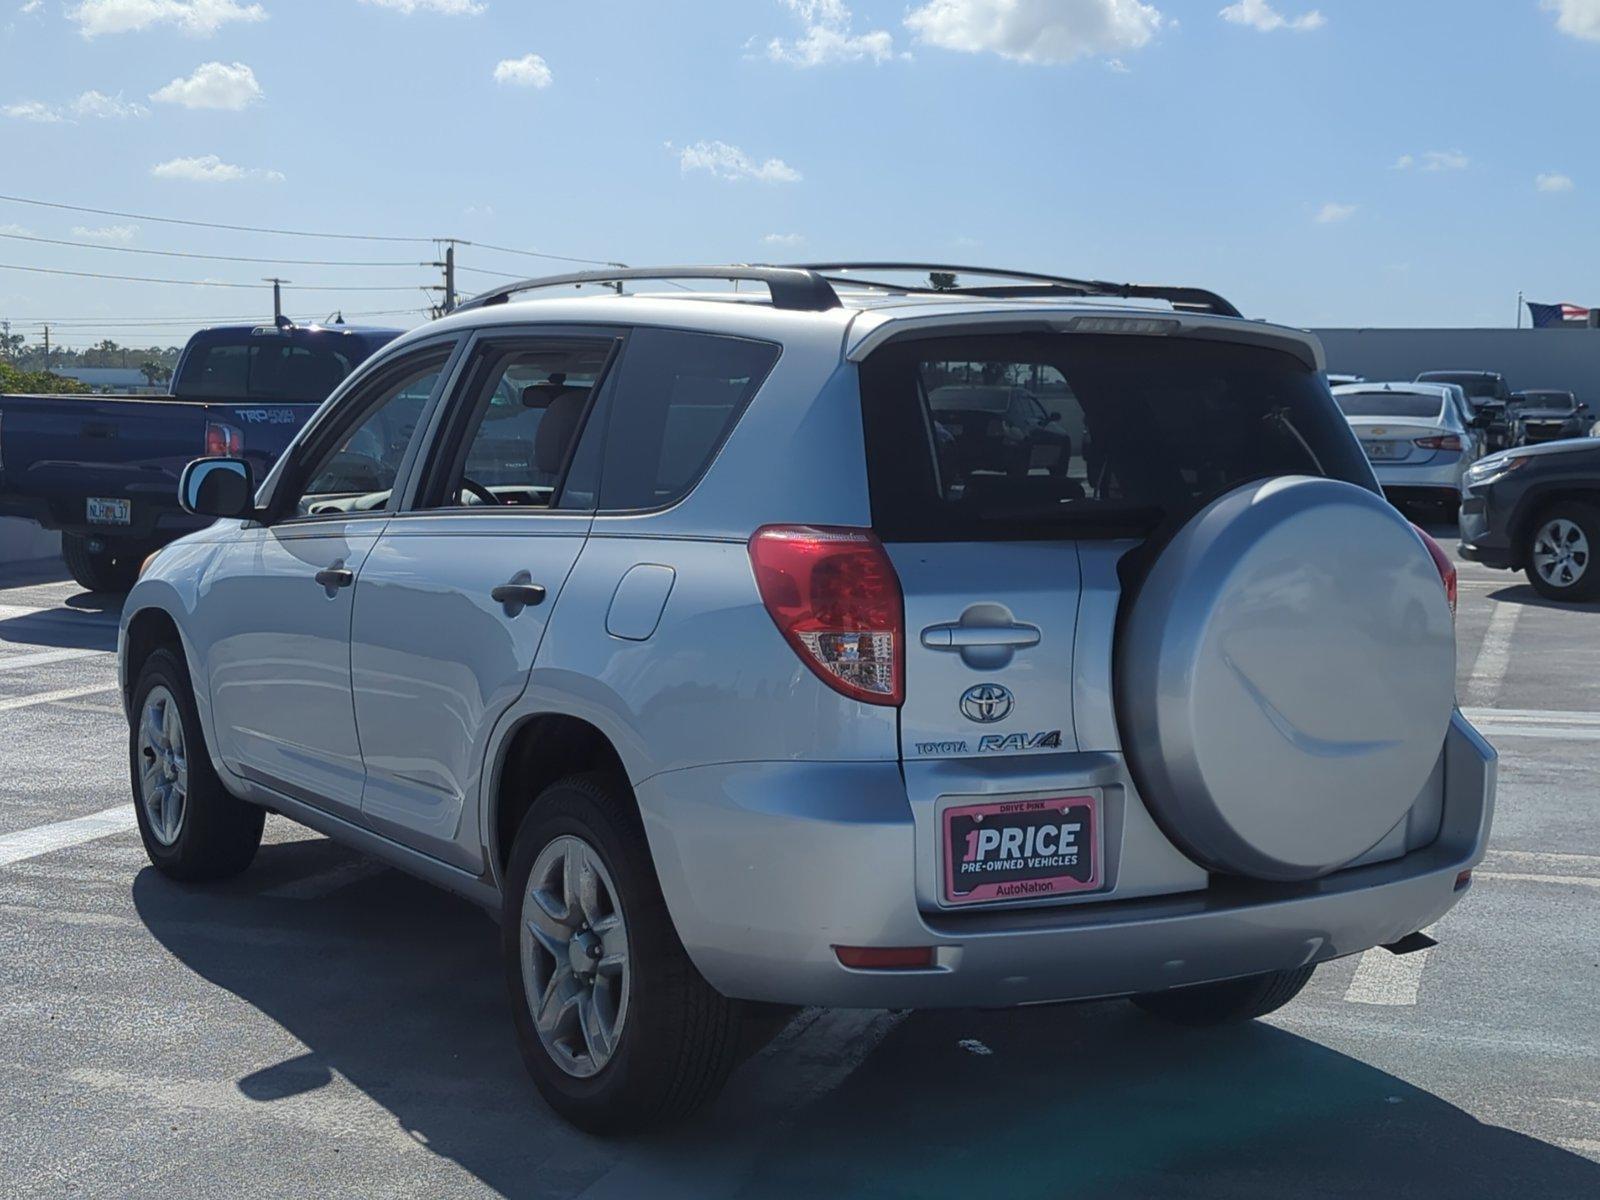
(520, 595)
(335, 577)
(961, 637)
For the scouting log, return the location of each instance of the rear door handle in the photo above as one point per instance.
(335, 577)
(521, 595)
(961, 637)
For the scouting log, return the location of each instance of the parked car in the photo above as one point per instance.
(1489, 392)
(1337, 380)
(1547, 415)
(1536, 509)
(1415, 438)
(693, 637)
(104, 469)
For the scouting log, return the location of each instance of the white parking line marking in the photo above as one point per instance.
(1544, 858)
(1494, 654)
(1387, 979)
(43, 839)
(78, 616)
(16, 662)
(324, 883)
(51, 697)
(1589, 881)
(1535, 723)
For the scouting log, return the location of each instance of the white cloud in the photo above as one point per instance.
(1332, 213)
(1580, 18)
(18, 230)
(98, 104)
(528, 71)
(731, 163)
(1553, 181)
(829, 36)
(106, 233)
(1260, 15)
(32, 110)
(208, 168)
(32, 6)
(1435, 160)
(197, 18)
(212, 85)
(785, 239)
(448, 8)
(1036, 31)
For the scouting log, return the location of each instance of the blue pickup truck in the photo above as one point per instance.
(104, 469)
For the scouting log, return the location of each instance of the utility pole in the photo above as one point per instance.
(277, 297)
(448, 265)
(47, 348)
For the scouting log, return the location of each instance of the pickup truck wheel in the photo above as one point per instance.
(193, 829)
(1227, 1002)
(1560, 552)
(617, 1028)
(111, 569)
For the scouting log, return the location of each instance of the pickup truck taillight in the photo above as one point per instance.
(1447, 569)
(834, 595)
(223, 440)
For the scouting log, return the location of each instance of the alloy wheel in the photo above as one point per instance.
(575, 956)
(1560, 553)
(163, 765)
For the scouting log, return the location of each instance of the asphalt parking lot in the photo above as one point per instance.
(325, 1026)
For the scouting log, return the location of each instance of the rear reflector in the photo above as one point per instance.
(1447, 441)
(834, 595)
(1463, 879)
(885, 958)
(1441, 560)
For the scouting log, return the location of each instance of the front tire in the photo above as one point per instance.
(1560, 552)
(193, 829)
(1228, 1002)
(617, 1028)
(108, 569)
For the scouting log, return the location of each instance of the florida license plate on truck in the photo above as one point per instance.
(109, 512)
(1021, 849)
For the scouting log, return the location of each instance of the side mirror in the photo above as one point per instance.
(1583, 406)
(217, 487)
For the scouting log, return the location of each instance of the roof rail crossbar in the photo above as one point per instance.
(792, 288)
(1188, 298)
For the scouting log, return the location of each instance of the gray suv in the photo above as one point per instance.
(843, 642)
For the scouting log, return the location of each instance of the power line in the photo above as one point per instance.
(108, 212)
(594, 262)
(281, 262)
(304, 287)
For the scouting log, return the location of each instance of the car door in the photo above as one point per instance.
(277, 601)
(453, 600)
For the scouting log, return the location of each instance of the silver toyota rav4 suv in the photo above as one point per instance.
(828, 641)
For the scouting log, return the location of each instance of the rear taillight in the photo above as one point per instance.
(834, 595)
(223, 440)
(1447, 569)
(1445, 441)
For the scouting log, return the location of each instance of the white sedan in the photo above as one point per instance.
(1415, 437)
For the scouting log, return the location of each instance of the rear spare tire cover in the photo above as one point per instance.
(1285, 678)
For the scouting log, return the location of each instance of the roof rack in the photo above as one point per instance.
(794, 288)
(1187, 298)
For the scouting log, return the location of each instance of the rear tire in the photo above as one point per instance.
(112, 569)
(1560, 552)
(1228, 1002)
(667, 1040)
(193, 828)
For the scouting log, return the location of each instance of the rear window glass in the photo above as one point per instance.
(677, 396)
(1066, 436)
(1389, 404)
(265, 369)
(1479, 387)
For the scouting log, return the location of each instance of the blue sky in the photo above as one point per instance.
(1378, 162)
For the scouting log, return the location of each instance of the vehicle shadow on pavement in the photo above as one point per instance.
(83, 622)
(1524, 595)
(397, 989)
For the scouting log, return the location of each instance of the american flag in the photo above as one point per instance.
(1546, 316)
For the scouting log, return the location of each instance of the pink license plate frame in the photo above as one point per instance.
(960, 820)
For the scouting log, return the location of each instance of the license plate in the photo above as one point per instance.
(1021, 849)
(109, 512)
(1380, 450)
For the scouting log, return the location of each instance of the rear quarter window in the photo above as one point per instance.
(1002, 437)
(677, 397)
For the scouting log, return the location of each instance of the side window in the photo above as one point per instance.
(525, 404)
(677, 396)
(358, 472)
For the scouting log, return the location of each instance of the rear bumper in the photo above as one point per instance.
(767, 866)
(152, 524)
(1441, 474)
